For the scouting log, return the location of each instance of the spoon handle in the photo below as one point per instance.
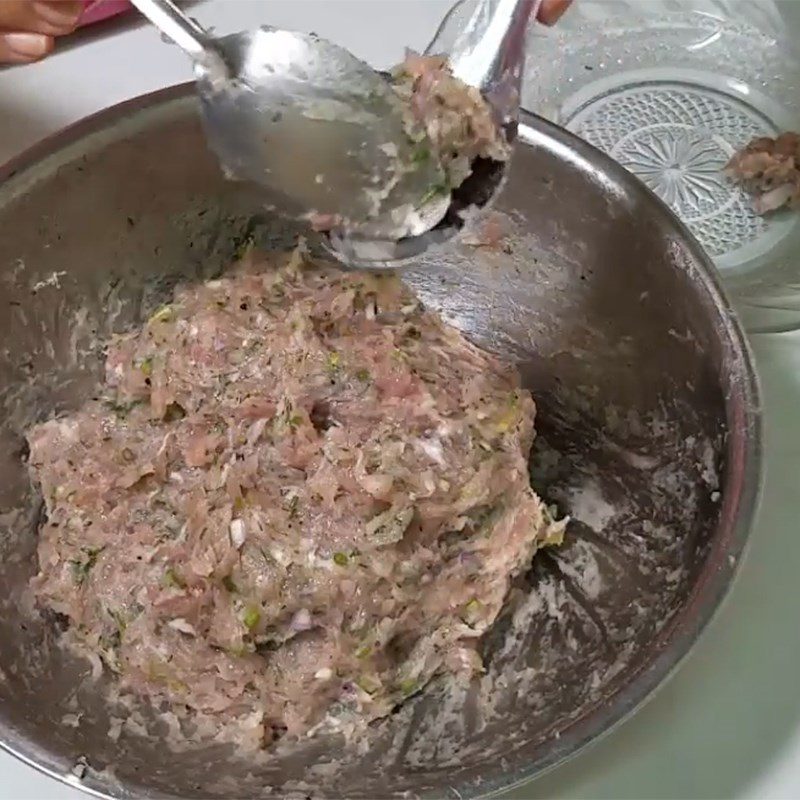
(185, 32)
(484, 39)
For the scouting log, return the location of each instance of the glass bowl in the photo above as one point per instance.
(671, 90)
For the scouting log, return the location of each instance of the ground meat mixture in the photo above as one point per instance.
(450, 126)
(299, 497)
(452, 119)
(769, 169)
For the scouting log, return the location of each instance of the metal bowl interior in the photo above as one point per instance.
(648, 436)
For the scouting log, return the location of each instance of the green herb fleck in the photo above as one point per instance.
(341, 559)
(409, 686)
(365, 651)
(509, 418)
(172, 580)
(163, 314)
(421, 155)
(120, 409)
(81, 567)
(334, 361)
(437, 190)
(251, 617)
(228, 583)
(368, 684)
(244, 649)
(120, 620)
(292, 505)
(146, 366)
(363, 375)
(472, 611)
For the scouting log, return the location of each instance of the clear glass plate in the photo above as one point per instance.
(671, 90)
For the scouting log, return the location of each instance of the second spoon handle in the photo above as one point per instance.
(182, 30)
(484, 38)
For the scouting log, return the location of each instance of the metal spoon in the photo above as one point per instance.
(322, 131)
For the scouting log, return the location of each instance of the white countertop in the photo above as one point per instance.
(728, 724)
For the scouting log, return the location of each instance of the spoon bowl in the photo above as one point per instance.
(318, 128)
(322, 133)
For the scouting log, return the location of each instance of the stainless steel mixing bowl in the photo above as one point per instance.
(649, 437)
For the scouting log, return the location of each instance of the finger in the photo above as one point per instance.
(22, 48)
(63, 15)
(51, 17)
(551, 11)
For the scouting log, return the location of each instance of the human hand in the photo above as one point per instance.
(551, 11)
(28, 27)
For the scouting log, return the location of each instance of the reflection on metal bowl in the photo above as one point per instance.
(648, 436)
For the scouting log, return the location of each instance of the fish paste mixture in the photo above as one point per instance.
(299, 498)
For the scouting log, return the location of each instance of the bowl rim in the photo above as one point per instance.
(740, 495)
